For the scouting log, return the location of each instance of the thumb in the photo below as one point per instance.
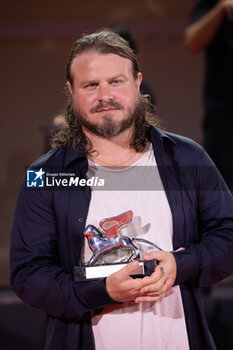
(127, 270)
(157, 255)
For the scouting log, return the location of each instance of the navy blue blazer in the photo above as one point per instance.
(47, 238)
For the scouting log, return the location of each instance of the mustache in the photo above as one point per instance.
(102, 105)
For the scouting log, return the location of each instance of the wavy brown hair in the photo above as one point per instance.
(104, 42)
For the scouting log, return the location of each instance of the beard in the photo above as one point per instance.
(108, 127)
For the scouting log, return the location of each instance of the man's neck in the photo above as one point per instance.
(113, 151)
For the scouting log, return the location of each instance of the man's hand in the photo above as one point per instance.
(162, 288)
(121, 287)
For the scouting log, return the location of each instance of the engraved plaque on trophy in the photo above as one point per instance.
(111, 251)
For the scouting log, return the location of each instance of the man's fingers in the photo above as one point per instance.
(168, 284)
(151, 298)
(127, 270)
(157, 294)
(161, 286)
(121, 287)
(157, 255)
(155, 281)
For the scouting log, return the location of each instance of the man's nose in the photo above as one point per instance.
(104, 93)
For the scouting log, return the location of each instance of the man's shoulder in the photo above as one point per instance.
(180, 141)
(55, 157)
(184, 149)
(187, 149)
(60, 158)
(184, 142)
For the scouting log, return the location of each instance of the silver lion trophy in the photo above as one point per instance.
(111, 251)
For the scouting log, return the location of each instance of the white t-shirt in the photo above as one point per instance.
(143, 326)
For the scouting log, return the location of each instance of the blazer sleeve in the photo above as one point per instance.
(211, 258)
(36, 273)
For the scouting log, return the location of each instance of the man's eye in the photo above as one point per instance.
(116, 82)
(90, 86)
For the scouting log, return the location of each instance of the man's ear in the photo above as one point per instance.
(69, 87)
(138, 80)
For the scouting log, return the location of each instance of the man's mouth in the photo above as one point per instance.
(106, 107)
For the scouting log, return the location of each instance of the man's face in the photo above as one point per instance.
(104, 91)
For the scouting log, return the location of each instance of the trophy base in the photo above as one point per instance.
(84, 272)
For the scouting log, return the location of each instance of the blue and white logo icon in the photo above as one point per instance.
(35, 178)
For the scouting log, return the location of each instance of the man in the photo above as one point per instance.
(211, 30)
(189, 214)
